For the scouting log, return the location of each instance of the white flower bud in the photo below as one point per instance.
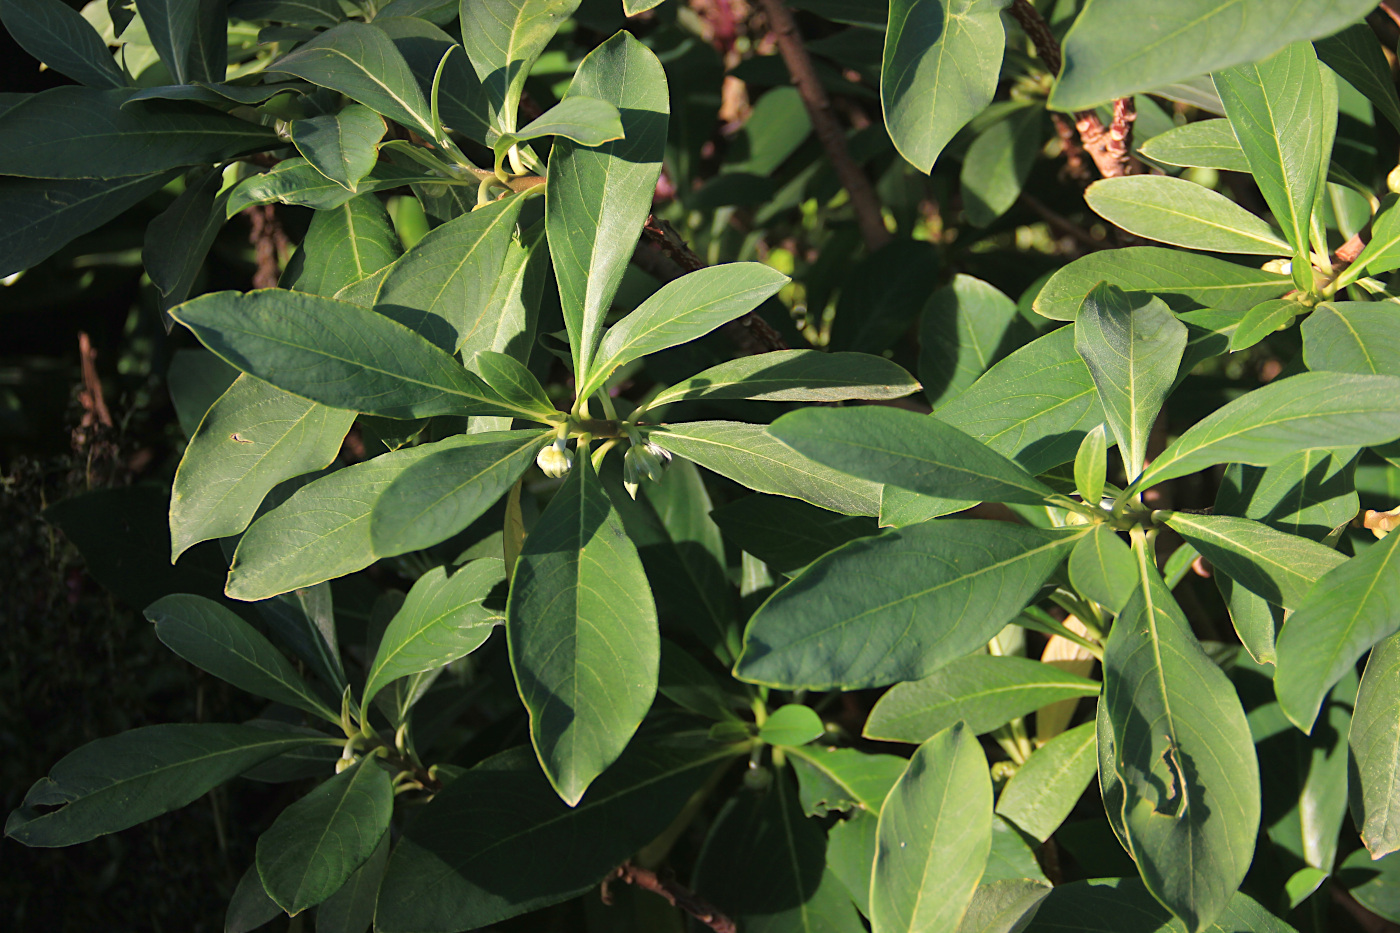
(555, 460)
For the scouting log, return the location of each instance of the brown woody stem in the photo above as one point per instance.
(677, 894)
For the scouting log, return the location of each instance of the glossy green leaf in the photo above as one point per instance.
(513, 382)
(1004, 906)
(312, 13)
(503, 38)
(1264, 319)
(1204, 144)
(1177, 766)
(474, 850)
(216, 640)
(79, 132)
(336, 353)
(795, 376)
(57, 35)
(933, 838)
(362, 63)
(981, 691)
(1352, 337)
(1280, 567)
(784, 533)
(748, 454)
(178, 241)
(346, 245)
(1314, 411)
(597, 198)
(1124, 905)
(316, 844)
(1133, 348)
(343, 146)
(1045, 789)
(902, 448)
(960, 335)
(425, 48)
(850, 853)
(250, 907)
(254, 437)
(843, 779)
(1091, 465)
(1375, 749)
(584, 120)
(322, 531)
(1345, 613)
(1275, 106)
(119, 781)
(1185, 281)
(683, 310)
(1382, 250)
(997, 164)
(581, 625)
(945, 588)
(1374, 884)
(1101, 567)
(351, 909)
(189, 35)
(1183, 213)
(941, 63)
(1309, 493)
(442, 287)
(297, 182)
(442, 620)
(792, 724)
(1117, 47)
(445, 491)
(509, 320)
(1356, 55)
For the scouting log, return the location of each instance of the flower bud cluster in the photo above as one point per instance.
(556, 460)
(643, 460)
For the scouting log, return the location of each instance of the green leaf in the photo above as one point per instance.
(1374, 884)
(1124, 905)
(343, 146)
(1382, 250)
(1204, 144)
(584, 120)
(1177, 765)
(1183, 213)
(119, 781)
(581, 614)
(596, 198)
(445, 491)
(461, 103)
(934, 835)
(945, 588)
(79, 132)
(442, 287)
(509, 319)
(351, 909)
(336, 353)
(850, 852)
(1352, 337)
(250, 907)
(1262, 320)
(316, 844)
(57, 35)
(981, 691)
(997, 164)
(503, 38)
(1375, 748)
(323, 530)
(1312, 411)
(189, 35)
(795, 376)
(1091, 466)
(442, 620)
(1117, 48)
(902, 448)
(941, 63)
(1356, 55)
(311, 13)
(178, 241)
(1101, 567)
(1035, 406)
(962, 329)
(764, 861)
(362, 63)
(1132, 347)
(1003, 906)
(345, 245)
(843, 779)
(253, 438)
(748, 454)
(1185, 281)
(513, 382)
(792, 724)
(681, 311)
(216, 640)
(787, 534)
(1275, 108)
(1280, 567)
(474, 850)
(1309, 493)
(1043, 791)
(296, 181)
(1345, 613)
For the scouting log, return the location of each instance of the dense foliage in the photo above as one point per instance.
(564, 492)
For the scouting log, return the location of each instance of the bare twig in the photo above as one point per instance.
(1046, 45)
(94, 405)
(1119, 145)
(269, 241)
(677, 894)
(1074, 153)
(833, 138)
(1062, 224)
